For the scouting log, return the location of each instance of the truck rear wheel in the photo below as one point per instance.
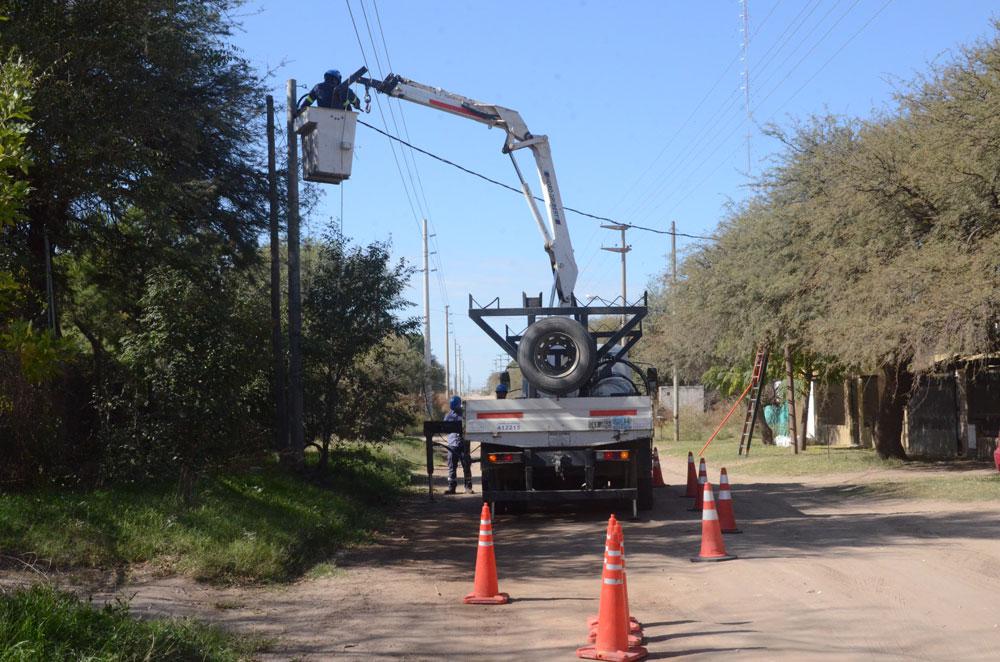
(557, 355)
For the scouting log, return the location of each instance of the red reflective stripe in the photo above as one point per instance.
(613, 412)
(500, 414)
(454, 109)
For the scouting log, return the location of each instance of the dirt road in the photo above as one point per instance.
(822, 574)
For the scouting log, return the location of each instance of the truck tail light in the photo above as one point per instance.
(504, 458)
(613, 456)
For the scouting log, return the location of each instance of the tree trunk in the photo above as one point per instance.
(897, 383)
(790, 374)
(803, 432)
(324, 455)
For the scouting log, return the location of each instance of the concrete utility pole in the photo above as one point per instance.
(623, 249)
(296, 436)
(428, 388)
(277, 343)
(447, 355)
(676, 392)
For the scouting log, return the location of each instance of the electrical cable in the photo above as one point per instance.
(521, 193)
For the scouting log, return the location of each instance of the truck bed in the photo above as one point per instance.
(559, 422)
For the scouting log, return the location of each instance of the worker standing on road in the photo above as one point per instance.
(458, 450)
(331, 94)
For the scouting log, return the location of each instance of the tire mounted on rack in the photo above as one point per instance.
(557, 355)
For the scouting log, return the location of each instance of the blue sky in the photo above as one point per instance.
(642, 102)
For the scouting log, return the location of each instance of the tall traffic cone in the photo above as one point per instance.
(712, 547)
(592, 620)
(485, 590)
(702, 481)
(612, 628)
(657, 472)
(727, 520)
(634, 626)
(692, 481)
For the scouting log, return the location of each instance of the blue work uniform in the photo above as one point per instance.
(328, 95)
(458, 451)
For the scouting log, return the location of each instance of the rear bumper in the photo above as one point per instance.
(550, 496)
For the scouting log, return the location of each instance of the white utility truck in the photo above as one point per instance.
(582, 427)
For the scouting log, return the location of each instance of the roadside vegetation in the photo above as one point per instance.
(257, 525)
(870, 247)
(42, 624)
(875, 476)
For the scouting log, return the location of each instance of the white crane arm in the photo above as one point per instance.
(555, 233)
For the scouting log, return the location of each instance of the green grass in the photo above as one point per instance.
(258, 526)
(950, 487)
(43, 624)
(764, 460)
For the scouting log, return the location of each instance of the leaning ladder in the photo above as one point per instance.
(753, 404)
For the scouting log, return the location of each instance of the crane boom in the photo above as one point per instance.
(555, 233)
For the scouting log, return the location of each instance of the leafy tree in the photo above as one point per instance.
(145, 106)
(871, 248)
(352, 300)
(195, 389)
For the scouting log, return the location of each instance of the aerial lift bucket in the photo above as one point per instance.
(327, 143)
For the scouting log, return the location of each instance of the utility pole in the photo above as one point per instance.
(296, 436)
(623, 249)
(277, 344)
(458, 388)
(676, 391)
(447, 355)
(50, 293)
(428, 389)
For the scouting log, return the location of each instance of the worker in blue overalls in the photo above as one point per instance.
(331, 94)
(458, 450)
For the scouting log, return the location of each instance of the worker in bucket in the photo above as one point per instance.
(502, 390)
(331, 94)
(458, 450)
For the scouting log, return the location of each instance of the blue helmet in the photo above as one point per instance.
(332, 73)
(502, 388)
(455, 403)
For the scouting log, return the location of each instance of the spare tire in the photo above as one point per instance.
(557, 355)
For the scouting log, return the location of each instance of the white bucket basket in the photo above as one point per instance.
(327, 143)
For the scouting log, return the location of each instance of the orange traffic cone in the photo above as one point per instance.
(485, 590)
(692, 481)
(712, 547)
(635, 636)
(702, 481)
(592, 620)
(727, 520)
(612, 628)
(657, 472)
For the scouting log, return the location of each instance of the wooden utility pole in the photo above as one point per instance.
(676, 390)
(277, 343)
(447, 355)
(296, 434)
(790, 374)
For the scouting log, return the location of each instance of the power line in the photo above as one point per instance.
(521, 193)
(409, 200)
(691, 171)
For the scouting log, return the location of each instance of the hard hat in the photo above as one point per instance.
(502, 388)
(455, 402)
(332, 73)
